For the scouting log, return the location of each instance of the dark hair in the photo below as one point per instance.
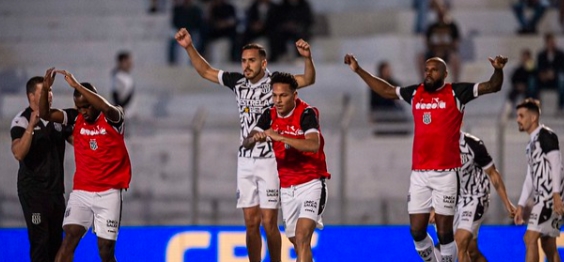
(284, 78)
(122, 55)
(87, 86)
(548, 36)
(382, 65)
(530, 104)
(260, 48)
(32, 84)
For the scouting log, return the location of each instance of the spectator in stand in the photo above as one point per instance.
(222, 22)
(378, 104)
(523, 82)
(442, 40)
(529, 26)
(260, 22)
(551, 69)
(186, 14)
(294, 19)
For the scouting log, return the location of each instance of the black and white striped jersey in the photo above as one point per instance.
(475, 159)
(543, 141)
(252, 100)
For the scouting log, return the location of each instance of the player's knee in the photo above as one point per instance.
(252, 222)
(106, 249)
(445, 237)
(418, 235)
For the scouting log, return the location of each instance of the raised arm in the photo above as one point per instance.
(308, 78)
(21, 145)
(202, 66)
(45, 110)
(379, 85)
(496, 80)
(111, 112)
(499, 186)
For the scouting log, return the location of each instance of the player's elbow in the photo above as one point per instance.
(18, 156)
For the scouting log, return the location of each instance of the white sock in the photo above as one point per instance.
(449, 252)
(425, 249)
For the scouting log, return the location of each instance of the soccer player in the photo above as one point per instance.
(103, 169)
(438, 108)
(39, 147)
(257, 178)
(477, 172)
(293, 126)
(544, 178)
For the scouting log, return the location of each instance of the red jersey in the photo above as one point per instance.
(296, 167)
(437, 119)
(102, 160)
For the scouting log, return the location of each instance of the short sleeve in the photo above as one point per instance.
(308, 121)
(465, 92)
(264, 121)
(70, 115)
(18, 126)
(481, 156)
(229, 79)
(548, 141)
(406, 93)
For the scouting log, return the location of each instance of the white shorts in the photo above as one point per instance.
(544, 221)
(433, 189)
(257, 183)
(102, 208)
(470, 213)
(306, 200)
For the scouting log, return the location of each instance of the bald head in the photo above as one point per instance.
(435, 74)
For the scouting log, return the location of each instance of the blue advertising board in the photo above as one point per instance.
(227, 244)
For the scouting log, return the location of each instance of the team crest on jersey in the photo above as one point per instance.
(427, 118)
(265, 88)
(36, 218)
(93, 144)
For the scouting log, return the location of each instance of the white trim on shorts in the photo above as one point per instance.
(101, 210)
(257, 183)
(307, 200)
(433, 189)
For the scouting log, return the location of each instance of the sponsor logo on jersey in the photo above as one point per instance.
(96, 131)
(435, 103)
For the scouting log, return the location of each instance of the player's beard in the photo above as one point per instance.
(433, 86)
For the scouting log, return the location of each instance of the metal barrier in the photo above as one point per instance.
(197, 124)
(346, 117)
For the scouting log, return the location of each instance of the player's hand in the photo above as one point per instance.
(558, 207)
(303, 48)
(432, 217)
(49, 78)
(183, 38)
(260, 137)
(273, 135)
(34, 119)
(351, 61)
(511, 210)
(69, 78)
(498, 62)
(518, 219)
